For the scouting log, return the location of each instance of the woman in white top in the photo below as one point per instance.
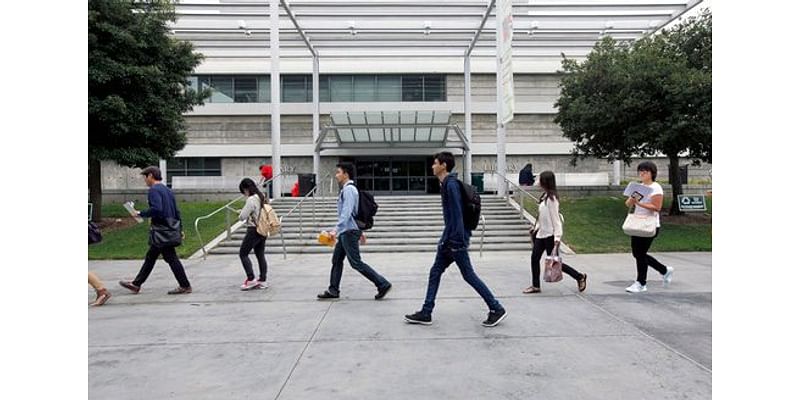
(547, 233)
(252, 241)
(648, 205)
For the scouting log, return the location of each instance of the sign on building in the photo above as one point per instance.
(504, 14)
(691, 203)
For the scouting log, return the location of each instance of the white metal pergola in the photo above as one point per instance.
(443, 29)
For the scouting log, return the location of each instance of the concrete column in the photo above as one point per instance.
(617, 172)
(502, 187)
(162, 165)
(275, 98)
(467, 120)
(315, 127)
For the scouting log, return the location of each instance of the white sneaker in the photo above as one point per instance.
(247, 285)
(636, 287)
(668, 276)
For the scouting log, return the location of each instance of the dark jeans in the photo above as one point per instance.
(639, 247)
(446, 256)
(171, 257)
(253, 241)
(347, 246)
(539, 247)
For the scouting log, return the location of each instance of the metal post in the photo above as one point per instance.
(228, 223)
(315, 126)
(275, 91)
(468, 120)
(301, 217)
(501, 128)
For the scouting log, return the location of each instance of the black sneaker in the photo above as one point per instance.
(419, 318)
(327, 295)
(494, 318)
(382, 292)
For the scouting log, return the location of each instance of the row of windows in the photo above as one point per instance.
(193, 166)
(332, 88)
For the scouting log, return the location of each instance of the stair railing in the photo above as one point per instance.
(228, 210)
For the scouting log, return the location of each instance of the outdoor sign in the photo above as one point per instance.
(504, 14)
(691, 203)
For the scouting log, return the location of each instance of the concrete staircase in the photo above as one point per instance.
(403, 224)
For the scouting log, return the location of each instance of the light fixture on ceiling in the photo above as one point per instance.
(534, 27)
(352, 26)
(427, 26)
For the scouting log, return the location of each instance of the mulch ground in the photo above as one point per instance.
(113, 224)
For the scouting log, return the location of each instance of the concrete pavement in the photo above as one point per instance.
(282, 343)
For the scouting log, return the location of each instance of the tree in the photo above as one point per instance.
(138, 87)
(651, 97)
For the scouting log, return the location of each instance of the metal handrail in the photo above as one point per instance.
(521, 191)
(299, 205)
(227, 208)
(483, 233)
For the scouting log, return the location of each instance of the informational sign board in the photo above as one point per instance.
(504, 14)
(691, 203)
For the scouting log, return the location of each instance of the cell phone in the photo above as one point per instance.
(638, 196)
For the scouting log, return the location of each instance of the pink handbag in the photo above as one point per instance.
(552, 267)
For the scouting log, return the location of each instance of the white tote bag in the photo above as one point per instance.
(639, 225)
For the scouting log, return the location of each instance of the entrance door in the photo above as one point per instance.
(393, 175)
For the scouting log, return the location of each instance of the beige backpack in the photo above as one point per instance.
(268, 223)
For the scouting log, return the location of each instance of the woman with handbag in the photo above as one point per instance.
(648, 206)
(547, 232)
(253, 241)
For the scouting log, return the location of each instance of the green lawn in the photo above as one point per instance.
(131, 243)
(594, 225)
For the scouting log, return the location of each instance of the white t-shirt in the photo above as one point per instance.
(649, 199)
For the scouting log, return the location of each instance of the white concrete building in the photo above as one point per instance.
(391, 88)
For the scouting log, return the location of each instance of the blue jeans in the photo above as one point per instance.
(446, 256)
(347, 246)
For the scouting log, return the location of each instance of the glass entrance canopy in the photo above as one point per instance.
(365, 129)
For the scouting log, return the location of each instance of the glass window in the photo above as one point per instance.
(341, 88)
(412, 87)
(222, 87)
(434, 88)
(294, 89)
(364, 88)
(263, 89)
(324, 89)
(245, 89)
(417, 168)
(193, 166)
(389, 88)
(192, 82)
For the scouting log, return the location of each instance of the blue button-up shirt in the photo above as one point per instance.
(347, 208)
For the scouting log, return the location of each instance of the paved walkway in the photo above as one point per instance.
(281, 343)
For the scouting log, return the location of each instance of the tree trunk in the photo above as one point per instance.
(675, 181)
(95, 189)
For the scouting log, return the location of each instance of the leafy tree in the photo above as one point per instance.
(651, 97)
(138, 87)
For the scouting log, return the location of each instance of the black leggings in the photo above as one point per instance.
(253, 241)
(539, 247)
(639, 247)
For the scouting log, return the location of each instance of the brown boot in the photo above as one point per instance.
(102, 297)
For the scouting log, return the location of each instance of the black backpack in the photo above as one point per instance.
(470, 205)
(367, 208)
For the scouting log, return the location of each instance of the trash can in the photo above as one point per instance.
(477, 181)
(307, 183)
(685, 174)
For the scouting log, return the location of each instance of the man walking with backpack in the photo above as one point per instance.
(349, 233)
(453, 246)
